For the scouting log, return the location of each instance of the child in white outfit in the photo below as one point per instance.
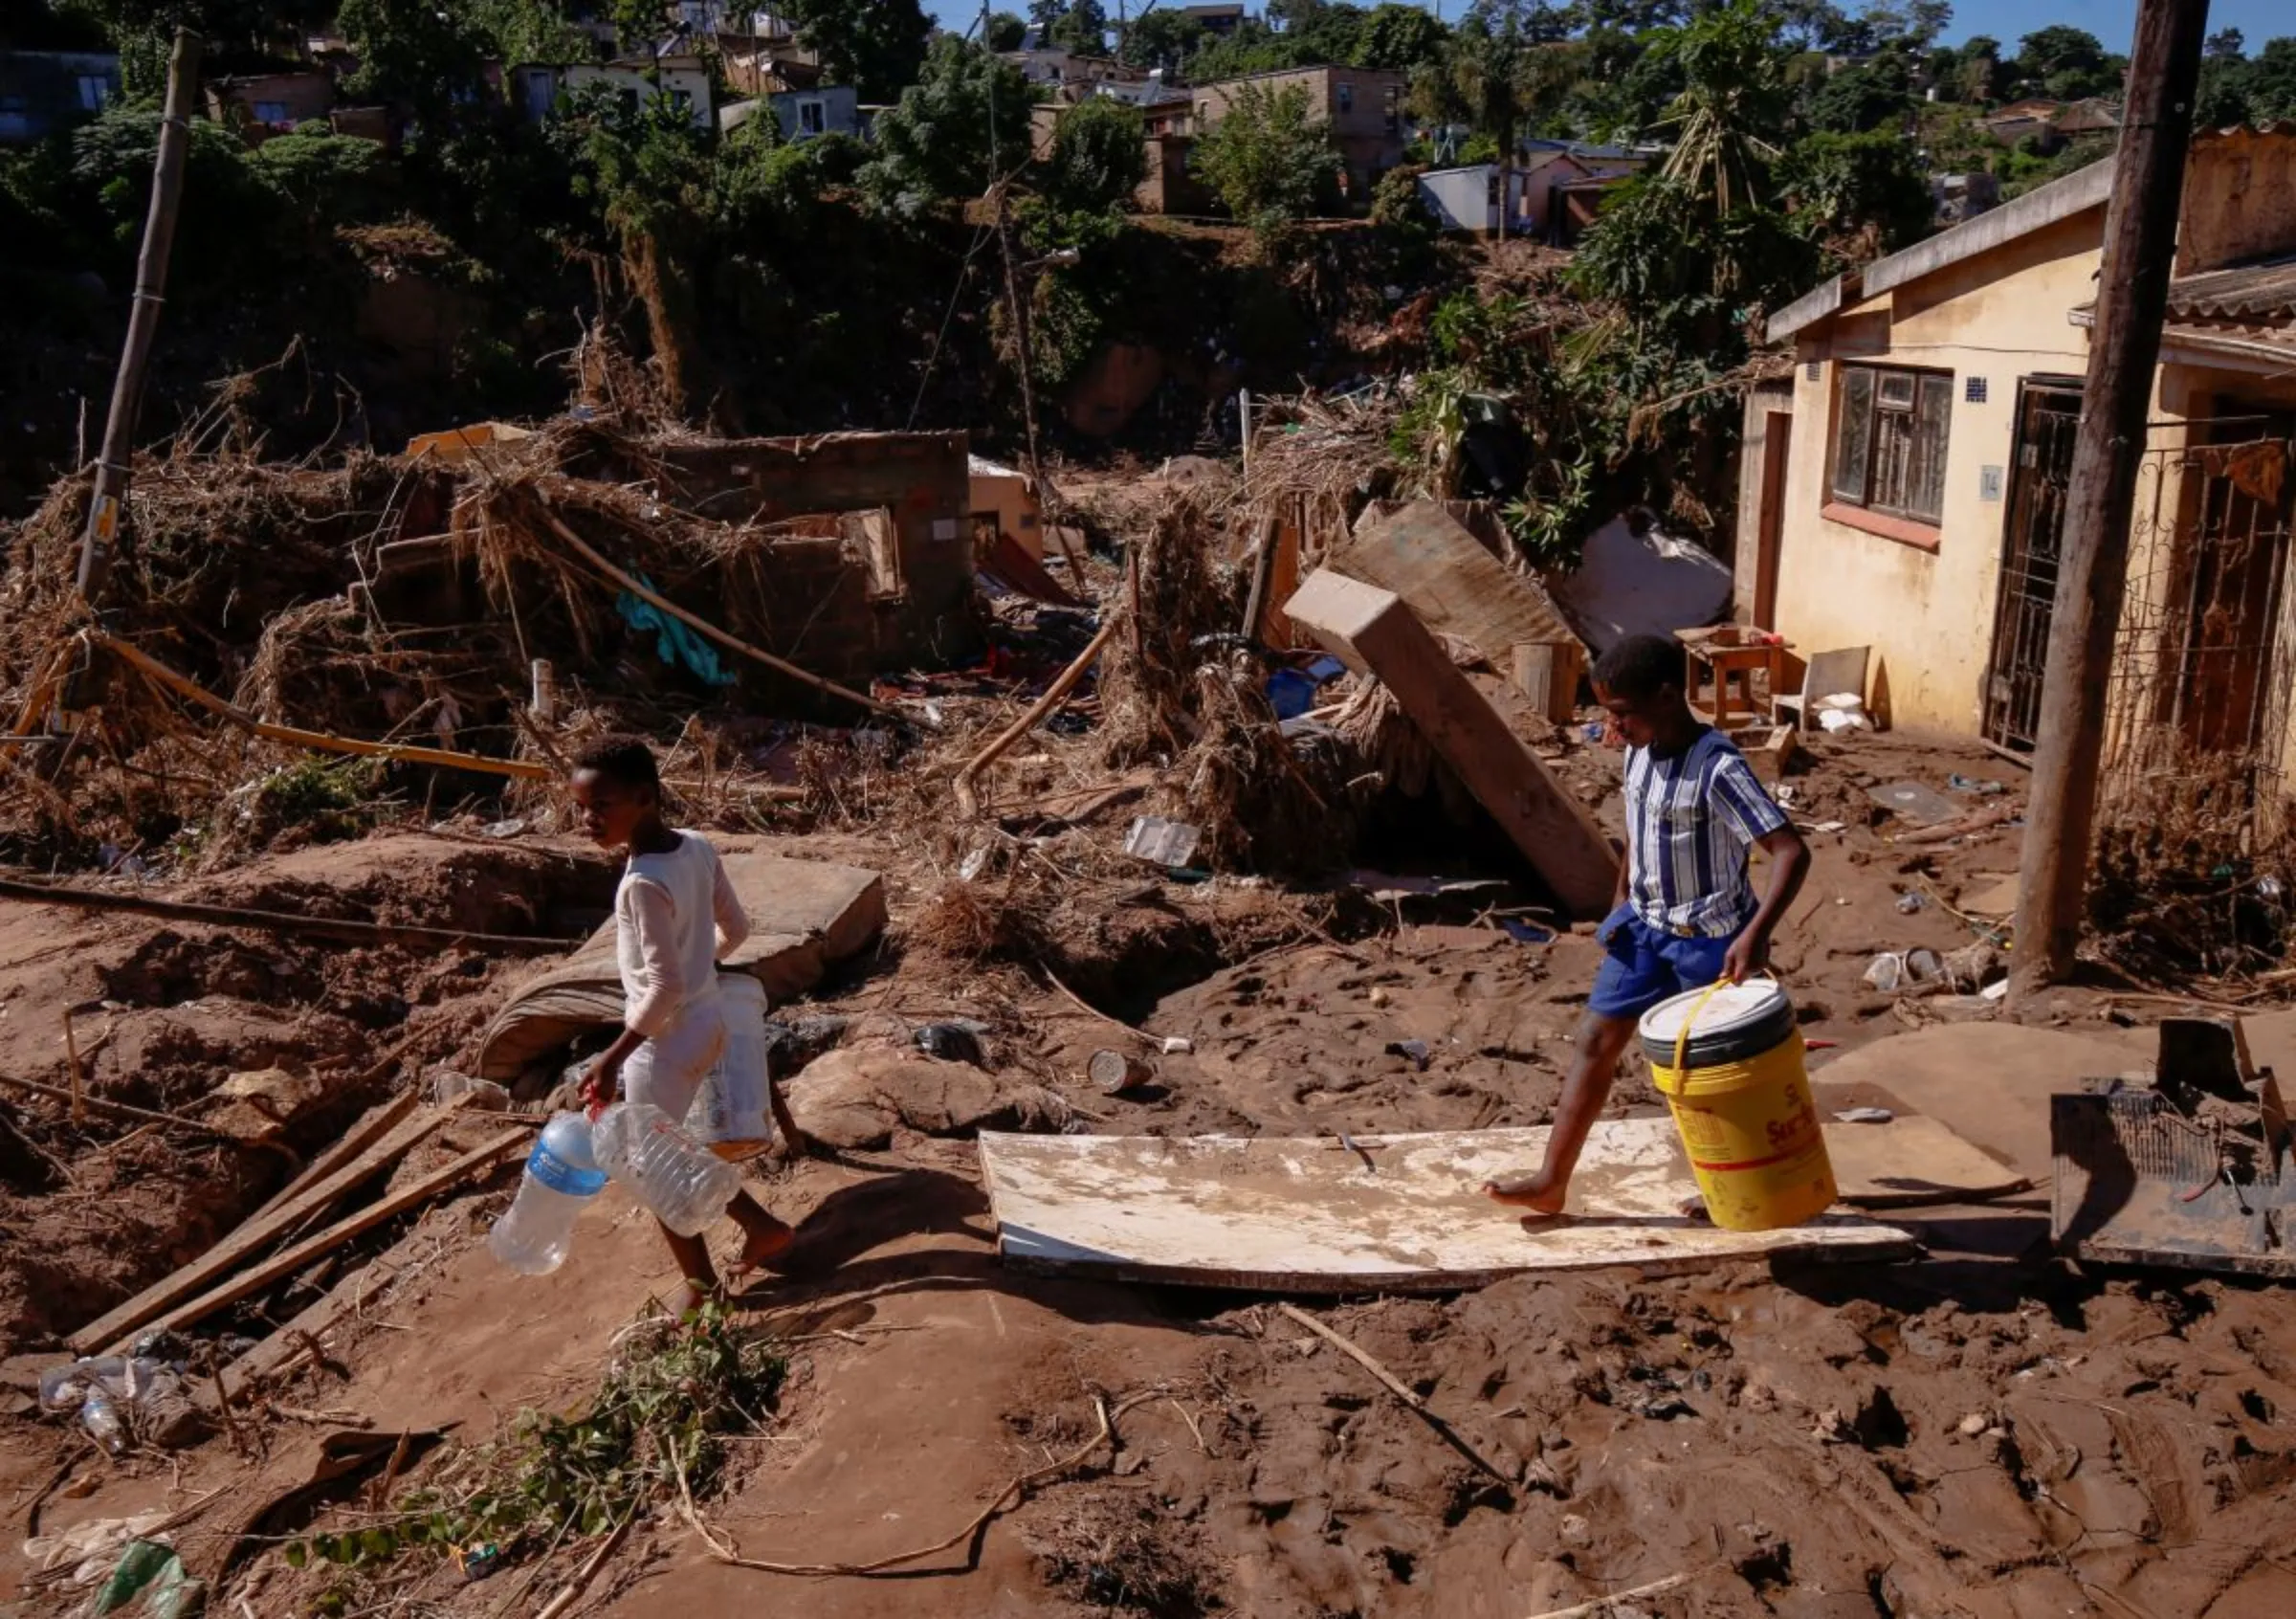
(674, 912)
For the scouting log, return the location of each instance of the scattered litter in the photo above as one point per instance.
(1527, 933)
(1163, 842)
(92, 1550)
(122, 1399)
(1974, 783)
(1664, 1408)
(151, 1573)
(1909, 903)
(476, 1562)
(1841, 712)
(1864, 1116)
(1829, 827)
(675, 641)
(483, 1094)
(1893, 970)
(952, 1041)
(1996, 991)
(1412, 1050)
(1924, 804)
(515, 827)
(1113, 1073)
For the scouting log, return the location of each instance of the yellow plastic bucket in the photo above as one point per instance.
(1728, 1062)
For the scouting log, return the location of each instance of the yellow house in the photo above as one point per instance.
(1904, 491)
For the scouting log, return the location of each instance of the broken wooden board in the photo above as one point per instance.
(1376, 630)
(1455, 586)
(803, 916)
(1307, 1215)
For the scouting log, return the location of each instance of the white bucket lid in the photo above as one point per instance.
(1731, 1007)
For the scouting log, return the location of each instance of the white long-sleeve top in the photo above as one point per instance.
(673, 914)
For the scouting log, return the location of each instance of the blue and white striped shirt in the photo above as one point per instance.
(1690, 821)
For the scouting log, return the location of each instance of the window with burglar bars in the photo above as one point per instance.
(1889, 438)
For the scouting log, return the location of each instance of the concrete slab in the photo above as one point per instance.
(1305, 1216)
(1427, 557)
(805, 916)
(1989, 1083)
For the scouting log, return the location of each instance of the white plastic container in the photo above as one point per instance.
(685, 1184)
(731, 1115)
(536, 1233)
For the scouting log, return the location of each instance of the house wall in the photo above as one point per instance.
(300, 96)
(2240, 201)
(1368, 132)
(1171, 186)
(41, 91)
(666, 79)
(1762, 401)
(1927, 610)
(840, 111)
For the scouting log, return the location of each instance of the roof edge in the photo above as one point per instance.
(1825, 299)
(2044, 205)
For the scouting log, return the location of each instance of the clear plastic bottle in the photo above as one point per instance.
(536, 1233)
(101, 1417)
(684, 1184)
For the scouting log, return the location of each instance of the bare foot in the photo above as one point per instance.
(691, 1296)
(1528, 1191)
(761, 1248)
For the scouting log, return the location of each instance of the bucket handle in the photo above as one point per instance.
(1682, 1040)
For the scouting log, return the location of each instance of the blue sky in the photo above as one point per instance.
(2006, 20)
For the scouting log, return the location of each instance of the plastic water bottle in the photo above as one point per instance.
(534, 1234)
(684, 1184)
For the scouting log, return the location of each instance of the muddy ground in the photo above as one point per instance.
(1979, 1431)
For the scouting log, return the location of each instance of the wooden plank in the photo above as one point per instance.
(251, 1237)
(1374, 628)
(1548, 675)
(287, 1261)
(275, 921)
(1304, 1215)
(369, 1128)
(1455, 586)
(249, 1372)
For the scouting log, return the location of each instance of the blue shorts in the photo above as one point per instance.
(1641, 965)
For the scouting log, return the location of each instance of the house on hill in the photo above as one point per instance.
(1905, 490)
(681, 80)
(1362, 107)
(44, 91)
(1554, 192)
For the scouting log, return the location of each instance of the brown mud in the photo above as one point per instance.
(1981, 1431)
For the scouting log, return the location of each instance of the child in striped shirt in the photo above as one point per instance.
(1686, 913)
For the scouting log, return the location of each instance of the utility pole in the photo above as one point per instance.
(2132, 295)
(112, 463)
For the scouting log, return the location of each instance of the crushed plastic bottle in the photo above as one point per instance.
(101, 1417)
(685, 1184)
(483, 1096)
(537, 1231)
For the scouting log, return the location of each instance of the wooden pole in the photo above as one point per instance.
(2133, 295)
(967, 801)
(112, 462)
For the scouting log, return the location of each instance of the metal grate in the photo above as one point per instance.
(2042, 470)
(1972, 390)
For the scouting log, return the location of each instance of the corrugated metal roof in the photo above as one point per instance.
(2254, 292)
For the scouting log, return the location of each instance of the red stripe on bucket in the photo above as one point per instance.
(1750, 1162)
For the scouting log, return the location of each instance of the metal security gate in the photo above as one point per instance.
(2047, 415)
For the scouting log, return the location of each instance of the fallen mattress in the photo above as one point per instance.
(805, 916)
(1307, 1215)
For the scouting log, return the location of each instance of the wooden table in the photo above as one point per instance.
(1731, 649)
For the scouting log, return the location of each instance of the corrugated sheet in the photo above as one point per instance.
(2255, 292)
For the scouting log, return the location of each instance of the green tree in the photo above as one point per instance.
(1399, 37)
(1270, 159)
(1162, 39)
(1870, 96)
(1861, 194)
(1080, 26)
(875, 46)
(422, 58)
(961, 126)
(1100, 157)
(2066, 63)
(2272, 82)
(1734, 106)
(1005, 32)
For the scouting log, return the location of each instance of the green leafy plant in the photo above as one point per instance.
(1270, 159)
(333, 798)
(655, 1431)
